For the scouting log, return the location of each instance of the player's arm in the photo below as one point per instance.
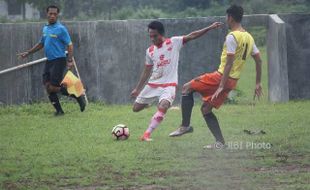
(70, 56)
(258, 92)
(66, 39)
(34, 49)
(229, 63)
(231, 46)
(147, 71)
(198, 33)
(70, 51)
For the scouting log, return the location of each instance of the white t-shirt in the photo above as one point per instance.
(165, 61)
(231, 45)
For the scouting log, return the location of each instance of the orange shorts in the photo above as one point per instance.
(208, 83)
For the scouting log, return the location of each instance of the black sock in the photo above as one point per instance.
(55, 101)
(64, 92)
(187, 107)
(80, 99)
(214, 127)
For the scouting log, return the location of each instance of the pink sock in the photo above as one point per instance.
(155, 121)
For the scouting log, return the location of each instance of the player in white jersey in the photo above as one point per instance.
(161, 71)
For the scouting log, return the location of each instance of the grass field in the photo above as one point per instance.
(39, 151)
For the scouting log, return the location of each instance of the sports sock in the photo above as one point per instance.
(155, 121)
(55, 101)
(64, 92)
(187, 107)
(214, 127)
(80, 100)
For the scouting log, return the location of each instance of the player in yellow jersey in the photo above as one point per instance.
(214, 87)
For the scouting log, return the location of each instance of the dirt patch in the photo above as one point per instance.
(144, 187)
(153, 187)
(9, 185)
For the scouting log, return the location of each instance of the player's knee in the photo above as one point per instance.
(52, 88)
(164, 106)
(186, 89)
(206, 109)
(135, 109)
(47, 88)
(163, 109)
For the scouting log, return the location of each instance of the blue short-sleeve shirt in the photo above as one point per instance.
(55, 39)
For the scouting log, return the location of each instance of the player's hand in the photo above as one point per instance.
(258, 92)
(217, 93)
(23, 55)
(134, 93)
(216, 25)
(69, 64)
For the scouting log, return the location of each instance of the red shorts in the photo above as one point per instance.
(208, 83)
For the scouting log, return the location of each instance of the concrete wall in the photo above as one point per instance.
(277, 60)
(288, 48)
(298, 54)
(23, 85)
(110, 56)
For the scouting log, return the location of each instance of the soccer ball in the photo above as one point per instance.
(120, 132)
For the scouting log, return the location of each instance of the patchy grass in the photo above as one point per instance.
(76, 151)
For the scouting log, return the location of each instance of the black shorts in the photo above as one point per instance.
(54, 71)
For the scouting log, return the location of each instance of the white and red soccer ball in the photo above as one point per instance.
(120, 132)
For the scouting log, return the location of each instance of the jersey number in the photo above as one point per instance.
(245, 51)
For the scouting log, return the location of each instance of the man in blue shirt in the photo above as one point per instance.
(55, 40)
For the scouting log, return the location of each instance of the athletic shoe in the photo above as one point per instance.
(216, 145)
(59, 113)
(181, 131)
(146, 137)
(82, 103)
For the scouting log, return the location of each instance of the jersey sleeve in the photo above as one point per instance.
(231, 44)
(65, 37)
(255, 50)
(148, 59)
(178, 41)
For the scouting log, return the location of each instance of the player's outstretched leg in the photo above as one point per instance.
(187, 104)
(157, 118)
(80, 100)
(213, 124)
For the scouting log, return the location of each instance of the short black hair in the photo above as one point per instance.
(236, 12)
(52, 7)
(156, 25)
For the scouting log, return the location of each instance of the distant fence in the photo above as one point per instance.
(111, 54)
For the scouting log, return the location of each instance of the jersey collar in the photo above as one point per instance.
(167, 41)
(52, 25)
(160, 45)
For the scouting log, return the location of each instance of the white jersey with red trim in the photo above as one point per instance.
(165, 61)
